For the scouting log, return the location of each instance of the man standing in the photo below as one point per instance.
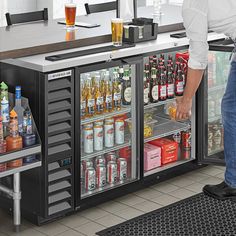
(220, 16)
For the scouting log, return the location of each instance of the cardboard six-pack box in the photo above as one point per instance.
(152, 157)
(169, 150)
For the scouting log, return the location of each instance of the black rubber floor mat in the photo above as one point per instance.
(198, 215)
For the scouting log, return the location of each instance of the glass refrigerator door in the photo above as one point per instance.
(167, 143)
(211, 133)
(109, 148)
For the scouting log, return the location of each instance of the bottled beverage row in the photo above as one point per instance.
(105, 91)
(214, 104)
(164, 78)
(16, 127)
(103, 134)
(215, 137)
(218, 68)
(104, 171)
(167, 150)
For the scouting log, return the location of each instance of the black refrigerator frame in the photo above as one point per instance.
(126, 188)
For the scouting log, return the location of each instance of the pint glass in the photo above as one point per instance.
(70, 13)
(117, 31)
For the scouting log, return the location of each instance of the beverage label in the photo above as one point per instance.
(18, 92)
(5, 111)
(146, 95)
(180, 87)
(155, 93)
(98, 138)
(163, 91)
(170, 89)
(83, 108)
(99, 104)
(127, 94)
(117, 96)
(109, 102)
(91, 103)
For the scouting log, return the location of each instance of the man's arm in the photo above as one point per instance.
(184, 104)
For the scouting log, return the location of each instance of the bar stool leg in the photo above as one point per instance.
(16, 199)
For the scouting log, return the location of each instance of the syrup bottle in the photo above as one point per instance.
(14, 140)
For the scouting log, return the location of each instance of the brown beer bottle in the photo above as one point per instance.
(179, 84)
(170, 82)
(145, 89)
(162, 85)
(154, 91)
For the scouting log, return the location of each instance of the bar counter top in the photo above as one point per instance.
(49, 36)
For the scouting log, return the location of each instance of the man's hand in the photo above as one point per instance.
(184, 107)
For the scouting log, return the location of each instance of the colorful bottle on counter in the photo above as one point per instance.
(29, 138)
(5, 111)
(14, 140)
(3, 147)
(18, 108)
(4, 91)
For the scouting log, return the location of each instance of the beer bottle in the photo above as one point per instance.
(116, 92)
(83, 102)
(99, 97)
(155, 62)
(121, 74)
(145, 89)
(162, 85)
(179, 86)
(147, 67)
(170, 82)
(90, 98)
(108, 94)
(154, 92)
(126, 89)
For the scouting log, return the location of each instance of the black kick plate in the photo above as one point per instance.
(198, 215)
(81, 53)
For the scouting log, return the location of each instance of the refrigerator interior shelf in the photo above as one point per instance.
(215, 152)
(216, 88)
(123, 110)
(215, 118)
(107, 150)
(168, 166)
(166, 127)
(20, 169)
(151, 105)
(107, 187)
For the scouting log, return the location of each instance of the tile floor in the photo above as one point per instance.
(87, 222)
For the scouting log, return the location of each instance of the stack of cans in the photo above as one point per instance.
(102, 171)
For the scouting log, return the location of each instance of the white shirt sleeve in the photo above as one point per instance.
(196, 25)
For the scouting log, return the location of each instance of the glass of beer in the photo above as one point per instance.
(117, 31)
(70, 12)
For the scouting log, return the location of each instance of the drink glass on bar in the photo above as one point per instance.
(70, 13)
(117, 31)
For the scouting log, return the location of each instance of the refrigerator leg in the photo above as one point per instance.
(16, 200)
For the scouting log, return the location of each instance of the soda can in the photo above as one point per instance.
(90, 179)
(120, 131)
(112, 172)
(111, 156)
(98, 123)
(87, 164)
(122, 169)
(3, 167)
(90, 126)
(88, 140)
(186, 139)
(109, 135)
(98, 138)
(109, 120)
(100, 160)
(101, 176)
(186, 154)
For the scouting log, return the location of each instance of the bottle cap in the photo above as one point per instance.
(4, 86)
(13, 114)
